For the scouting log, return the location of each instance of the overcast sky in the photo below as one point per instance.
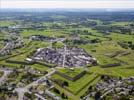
(67, 3)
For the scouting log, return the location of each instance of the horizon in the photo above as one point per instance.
(67, 10)
(67, 4)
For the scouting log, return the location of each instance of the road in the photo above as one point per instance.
(64, 55)
(39, 96)
(4, 77)
(21, 90)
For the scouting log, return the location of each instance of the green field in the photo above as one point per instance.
(107, 50)
(71, 72)
(6, 23)
(77, 86)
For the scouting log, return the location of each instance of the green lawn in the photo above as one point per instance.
(49, 33)
(40, 67)
(101, 50)
(120, 23)
(6, 23)
(128, 58)
(121, 37)
(13, 65)
(70, 72)
(78, 85)
(21, 57)
(113, 71)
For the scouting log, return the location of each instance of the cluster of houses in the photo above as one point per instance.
(41, 91)
(116, 88)
(65, 57)
(9, 46)
(45, 38)
(41, 38)
(52, 95)
(41, 88)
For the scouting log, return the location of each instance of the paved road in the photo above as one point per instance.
(39, 96)
(4, 77)
(64, 55)
(21, 91)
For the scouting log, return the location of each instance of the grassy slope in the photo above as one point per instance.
(77, 85)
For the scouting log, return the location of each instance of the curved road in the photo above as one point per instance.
(21, 91)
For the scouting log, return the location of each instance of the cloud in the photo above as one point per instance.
(67, 4)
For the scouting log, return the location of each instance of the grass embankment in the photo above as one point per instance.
(78, 85)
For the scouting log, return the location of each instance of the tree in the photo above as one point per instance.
(57, 91)
(63, 95)
(90, 88)
(130, 42)
(97, 95)
(97, 40)
(120, 78)
(102, 76)
(123, 97)
(65, 83)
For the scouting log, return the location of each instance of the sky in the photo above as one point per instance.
(66, 3)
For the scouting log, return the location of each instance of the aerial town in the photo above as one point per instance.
(66, 55)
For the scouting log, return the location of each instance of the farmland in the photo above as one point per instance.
(106, 44)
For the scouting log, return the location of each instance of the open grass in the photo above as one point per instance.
(70, 72)
(39, 67)
(6, 23)
(101, 50)
(12, 65)
(49, 33)
(120, 23)
(21, 57)
(121, 37)
(78, 85)
(86, 88)
(128, 58)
